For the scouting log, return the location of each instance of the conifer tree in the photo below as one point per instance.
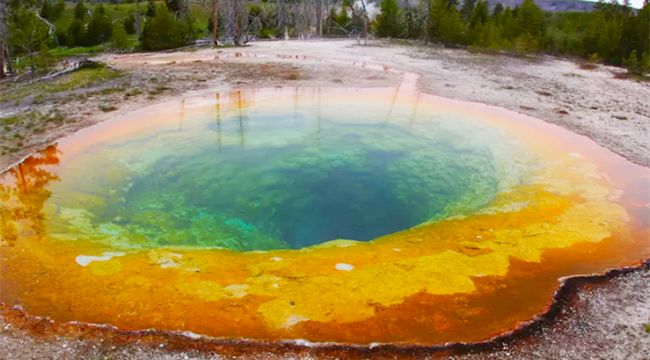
(467, 9)
(151, 9)
(445, 22)
(480, 15)
(162, 32)
(58, 9)
(498, 9)
(46, 10)
(99, 27)
(530, 19)
(44, 60)
(80, 10)
(119, 39)
(632, 63)
(26, 33)
(129, 24)
(390, 22)
(76, 34)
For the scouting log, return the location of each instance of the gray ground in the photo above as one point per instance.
(605, 322)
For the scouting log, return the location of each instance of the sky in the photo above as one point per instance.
(635, 3)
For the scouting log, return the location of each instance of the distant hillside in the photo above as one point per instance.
(550, 5)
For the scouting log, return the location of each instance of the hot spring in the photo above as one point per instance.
(338, 215)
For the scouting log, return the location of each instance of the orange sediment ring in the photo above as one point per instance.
(465, 277)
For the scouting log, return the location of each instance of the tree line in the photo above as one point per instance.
(613, 33)
(28, 28)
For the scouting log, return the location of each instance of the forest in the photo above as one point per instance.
(36, 33)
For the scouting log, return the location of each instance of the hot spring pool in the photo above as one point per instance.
(339, 215)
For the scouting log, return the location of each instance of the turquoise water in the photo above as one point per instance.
(286, 180)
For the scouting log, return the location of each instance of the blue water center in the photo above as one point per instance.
(289, 179)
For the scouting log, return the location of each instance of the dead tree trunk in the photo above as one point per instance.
(319, 17)
(3, 36)
(185, 8)
(2, 60)
(236, 18)
(427, 19)
(215, 22)
(305, 18)
(138, 19)
(282, 19)
(364, 21)
(364, 16)
(237, 21)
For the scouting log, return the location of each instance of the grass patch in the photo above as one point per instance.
(30, 120)
(133, 92)
(20, 118)
(573, 75)
(107, 108)
(22, 63)
(110, 90)
(158, 90)
(82, 78)
(10, 120)
(17, 129)
(64, 52)
(588, 66)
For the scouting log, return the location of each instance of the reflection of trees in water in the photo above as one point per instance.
(23, 196)
(240, 105)
(218, 119)
(236, 102)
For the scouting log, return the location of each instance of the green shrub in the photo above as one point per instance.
(44, 60)
(632, 64)
(99, 28)
(119, 38)
(163, 31)
(129, 24)
(76, 34)
(390, 20)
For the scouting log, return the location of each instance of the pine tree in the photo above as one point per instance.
(452, 27)
(58, 9)
(27, 33)
(46, 10)
(151, 9)
(530, 19)
(129, 24)
(412, 22)
(331, 26)
(76, 34)
(632, 64)
(437, 10)
(99, 27)
(44, 60)
(390, 22)
(80, 10)
(480, 15)
(644, 65)
(445, 22)
(119, 39)
(641, 29)
(343, 20)
(498, 9)
(162, 32)
(467, 9)
(477, 21)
